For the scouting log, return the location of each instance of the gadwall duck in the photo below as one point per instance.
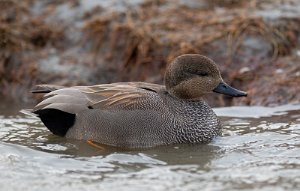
(138, 114)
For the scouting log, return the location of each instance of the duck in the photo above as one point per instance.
(139, 114)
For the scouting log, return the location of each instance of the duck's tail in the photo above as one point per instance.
(28, 112)
(59, 107)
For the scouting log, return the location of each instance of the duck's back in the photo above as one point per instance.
(129, 115)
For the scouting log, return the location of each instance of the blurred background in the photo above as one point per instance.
(86, 42)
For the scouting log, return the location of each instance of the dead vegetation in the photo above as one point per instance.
(149, 35)
(21, 40)
(137, 44)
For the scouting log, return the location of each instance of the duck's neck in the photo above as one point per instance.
(181, 96)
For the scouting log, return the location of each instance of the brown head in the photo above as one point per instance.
(190, 76)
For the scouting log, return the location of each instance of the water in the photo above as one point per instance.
(259, 150)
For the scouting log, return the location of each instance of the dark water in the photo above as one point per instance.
(259, 150)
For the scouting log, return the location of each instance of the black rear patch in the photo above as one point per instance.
(57, 121)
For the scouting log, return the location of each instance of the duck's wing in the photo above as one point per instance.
(132, 95)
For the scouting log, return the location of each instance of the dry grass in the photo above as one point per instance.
(22, 37)
(139, 43)
(149, 33)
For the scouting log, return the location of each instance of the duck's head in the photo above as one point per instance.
(190, 76)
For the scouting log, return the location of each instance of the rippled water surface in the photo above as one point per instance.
(259, 150)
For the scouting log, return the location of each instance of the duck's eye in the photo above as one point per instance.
(203, 74)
